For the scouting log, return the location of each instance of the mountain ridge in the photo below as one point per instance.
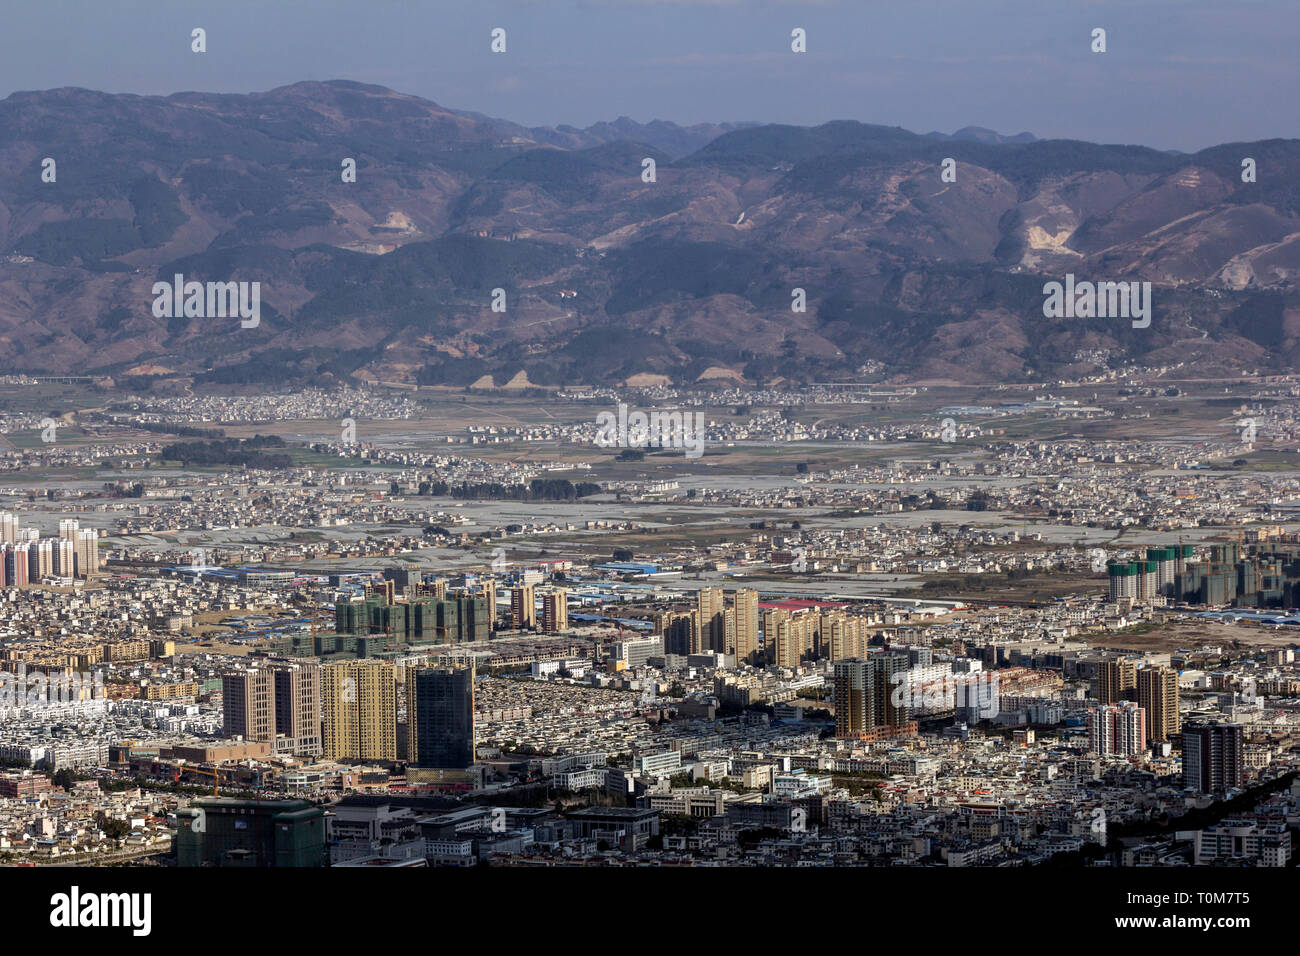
(608, 276)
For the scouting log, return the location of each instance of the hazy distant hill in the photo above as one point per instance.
(669, 138)
(607, 276)
(980, 134)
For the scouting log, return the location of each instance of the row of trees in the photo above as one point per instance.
(539, 489)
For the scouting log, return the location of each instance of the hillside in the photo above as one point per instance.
(390, 277)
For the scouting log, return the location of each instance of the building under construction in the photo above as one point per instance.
(1268, 576)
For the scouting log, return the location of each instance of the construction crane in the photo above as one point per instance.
(216, 777)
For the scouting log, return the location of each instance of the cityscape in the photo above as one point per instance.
(858, 650)
(769, 487)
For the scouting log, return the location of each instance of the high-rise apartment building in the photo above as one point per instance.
(1213, 757)
(679, 632)
(853, 697)
(42, 563)
(280, 702)
(789, 637)
(16, 563)
(1158, 695)
(440, 716)
(297, 706)
(248, 704)
(8, 527)
(1166, 559)
(487, 590)
(1116, 681)
(713, 628)
(745, 626)
(523, 606)
(555, 611)
(865, 693)
(1117, 729)
(841, 635)
(773, 620)
(86, 555)
(65, 554)
(359, 706)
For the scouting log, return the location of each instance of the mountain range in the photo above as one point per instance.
(609, 278)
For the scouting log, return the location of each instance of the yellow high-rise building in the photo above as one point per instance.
(789, 636)
(1157, 689)
(1116, 681)
(555, 611)
(488, 591)
(745, 639)
(523, 607)
(713, 630)
(359, 705)
(842, 636)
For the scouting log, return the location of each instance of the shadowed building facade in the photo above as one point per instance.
(440, 708)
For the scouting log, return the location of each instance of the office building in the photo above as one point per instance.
(1238, 841)
(637, 651)
(440, 715)
(218, 831)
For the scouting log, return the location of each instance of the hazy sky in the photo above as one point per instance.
(1177, 74)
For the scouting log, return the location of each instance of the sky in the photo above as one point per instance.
(1176, 74)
